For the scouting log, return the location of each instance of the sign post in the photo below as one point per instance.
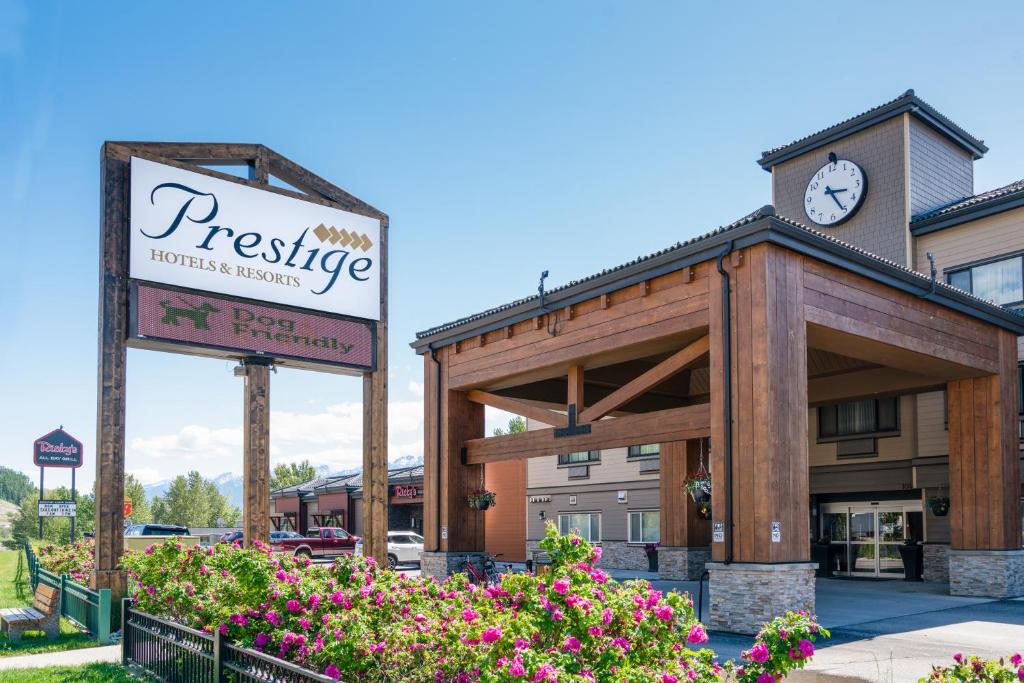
(57, 449)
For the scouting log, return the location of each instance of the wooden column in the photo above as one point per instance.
(375, 428)
(984, 469)
(448, 522)
(681, 523)
(256, 452)
(575, 394)
(770, 477)
(110, 399)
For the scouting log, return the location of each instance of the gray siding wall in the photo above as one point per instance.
(880, 226)
(940, 172)
(614, 515)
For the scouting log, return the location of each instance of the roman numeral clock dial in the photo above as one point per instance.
(835, 192)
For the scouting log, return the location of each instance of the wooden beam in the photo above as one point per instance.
(672, 365)
(512, 405)
(256, 453)
(677, 424)
(575, 395)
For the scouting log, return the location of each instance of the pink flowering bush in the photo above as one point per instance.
(75, 560)
(355, 621)
(977, 669)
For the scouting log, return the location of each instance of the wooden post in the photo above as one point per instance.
(256, 452)
(575, 395)
(681, 522)
(110, 398)
(375, 427)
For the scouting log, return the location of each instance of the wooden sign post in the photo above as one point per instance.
(201, 262)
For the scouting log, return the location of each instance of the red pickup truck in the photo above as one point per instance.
(318, 542)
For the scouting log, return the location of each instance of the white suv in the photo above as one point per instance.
(404, 547)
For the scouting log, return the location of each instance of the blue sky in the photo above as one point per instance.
(502, 140)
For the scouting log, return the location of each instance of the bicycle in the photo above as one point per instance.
(488, 572)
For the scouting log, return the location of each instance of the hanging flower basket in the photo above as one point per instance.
(939, 506)
(481, 500)
(699, 487)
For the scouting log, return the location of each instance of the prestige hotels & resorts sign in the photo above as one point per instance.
(204, 233)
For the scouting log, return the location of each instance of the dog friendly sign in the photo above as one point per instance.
(196, 231)
(57, 449)
(161, 314)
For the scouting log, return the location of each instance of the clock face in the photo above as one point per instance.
(835, 192)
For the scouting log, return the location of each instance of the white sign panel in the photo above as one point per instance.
(191, 230)
(776, 532)
(718, 532)
(57, 508)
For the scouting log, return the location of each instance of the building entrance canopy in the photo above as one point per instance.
(731, 335)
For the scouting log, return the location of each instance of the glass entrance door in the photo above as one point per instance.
(863, 542)
(865, 539)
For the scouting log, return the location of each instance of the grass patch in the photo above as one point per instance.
(15, 591)
(99, 672)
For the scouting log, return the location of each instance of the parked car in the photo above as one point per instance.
(404, 547)
(278, 535)
(231, 537)
(156, 530)
(318, 542)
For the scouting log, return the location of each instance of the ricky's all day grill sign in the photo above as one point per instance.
(200, 232)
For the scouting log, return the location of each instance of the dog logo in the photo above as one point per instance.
(197, 314)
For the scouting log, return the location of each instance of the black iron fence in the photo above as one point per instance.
(177, 654)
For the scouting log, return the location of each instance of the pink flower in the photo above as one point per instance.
(1020, 673)
(697, 635)
(516, 668)
(766, 678)
(262, 639)
(149, 550)
(571, 644)
(561, 586)
(668, 678)
(469, 615)
(606, 616)
(595, 553)
(664, 612)
(595, 631)
(521, 644)
(1015, 659)
(492, 634)
(759, 653)
(332, 672)
(806, 648)
(294, 606)
(958, 658)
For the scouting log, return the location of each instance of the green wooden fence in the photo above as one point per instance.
(88, 609)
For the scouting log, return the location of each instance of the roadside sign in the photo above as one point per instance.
(57, 449)
(57, 508)
(127, 508)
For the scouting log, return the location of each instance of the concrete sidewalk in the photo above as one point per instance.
(85, 655)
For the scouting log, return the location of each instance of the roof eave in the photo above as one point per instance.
(766, 229)
(924, 226)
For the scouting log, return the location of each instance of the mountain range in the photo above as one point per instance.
(231, 487)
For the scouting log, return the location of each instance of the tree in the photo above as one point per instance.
(14, 485)
(191, 501)
(289, 474)
(516, 425)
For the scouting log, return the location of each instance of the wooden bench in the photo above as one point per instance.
(43, 615)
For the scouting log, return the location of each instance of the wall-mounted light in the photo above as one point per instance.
(542, 514)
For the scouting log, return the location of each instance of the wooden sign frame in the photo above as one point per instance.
(115, 191)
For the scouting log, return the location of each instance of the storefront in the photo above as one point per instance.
(336, 500)
(849, 395)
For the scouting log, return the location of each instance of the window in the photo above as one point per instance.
(645, 450)
(1001, 282)
(645, 526)
(872, 416)
(580, 457)
(587, 524)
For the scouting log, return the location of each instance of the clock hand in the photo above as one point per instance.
(832, 193)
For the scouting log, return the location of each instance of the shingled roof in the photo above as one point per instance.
(759, 226)
(907, 102)
(970, 208)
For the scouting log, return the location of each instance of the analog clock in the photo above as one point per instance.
(835, 192)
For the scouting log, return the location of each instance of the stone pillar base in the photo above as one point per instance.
(745, 596)
(682, 564)
(936, 562)
(986, 573)
(441, 565)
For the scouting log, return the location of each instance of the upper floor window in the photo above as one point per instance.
(645, 450)
(1001, 282)
(579, 457)
(873, 416)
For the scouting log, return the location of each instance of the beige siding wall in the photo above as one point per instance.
(932, 435)
(614, 467)
(984, 238)
(893, 448)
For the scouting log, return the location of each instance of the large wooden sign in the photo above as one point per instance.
(197, 261)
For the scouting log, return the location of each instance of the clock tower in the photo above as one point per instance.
(864, 179)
